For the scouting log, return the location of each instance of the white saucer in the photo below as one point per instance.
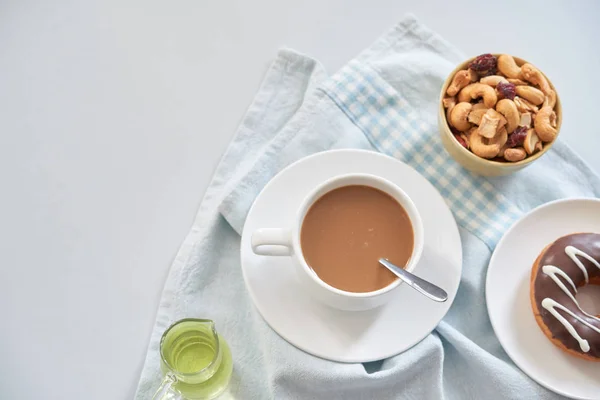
(507, 295)
(347, 336)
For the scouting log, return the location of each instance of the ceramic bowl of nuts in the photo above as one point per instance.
(498, 114)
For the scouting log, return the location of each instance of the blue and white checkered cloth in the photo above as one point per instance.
(401, 131)
(385, 100)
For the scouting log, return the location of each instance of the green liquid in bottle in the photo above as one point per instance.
(201, 363)
(191, 352)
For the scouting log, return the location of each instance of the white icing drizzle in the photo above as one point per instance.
(551, 305)
(552, 271)
(573, 252)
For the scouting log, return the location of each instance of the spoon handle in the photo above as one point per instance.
(427, 288)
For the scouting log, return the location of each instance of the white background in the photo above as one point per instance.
(113, 116)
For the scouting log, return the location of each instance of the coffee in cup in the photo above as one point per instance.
(339, 233)
(347, 230)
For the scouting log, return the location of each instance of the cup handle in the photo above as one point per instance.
(272, 242)
(166, 390)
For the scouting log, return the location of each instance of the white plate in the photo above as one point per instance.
(343, 335)
(507, 295)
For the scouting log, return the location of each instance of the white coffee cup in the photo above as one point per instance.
(286, 242)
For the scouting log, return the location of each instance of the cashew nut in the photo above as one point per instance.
(517, 82)
(515, 154)
(545, 124)
(525, 120)
(482, 149)
(492, 80)
(508, 109)
(508, 66)
(531, 94)
(449, 103)
(476, 90)
(487, 148)
(550, 100)
(533, 75)
(479, 106)
(473, 75)
(491, 123)
(458, 116)
(460, 80)
(539, 146)
(501, 138)
(496, 114)
(465, 139)
(524, 105)
(531, 141)
(502, 150)
(476, 114)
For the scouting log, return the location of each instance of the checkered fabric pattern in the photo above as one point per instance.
(412, 136)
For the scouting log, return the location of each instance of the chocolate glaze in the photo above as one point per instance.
(545, 287)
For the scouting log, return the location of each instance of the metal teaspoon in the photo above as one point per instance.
(430, 290)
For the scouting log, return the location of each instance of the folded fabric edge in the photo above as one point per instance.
(409, 25)
(279, 66)
(299, 75)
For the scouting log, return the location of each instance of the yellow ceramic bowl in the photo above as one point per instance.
(476, 164)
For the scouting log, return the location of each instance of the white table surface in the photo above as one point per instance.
(113, 117)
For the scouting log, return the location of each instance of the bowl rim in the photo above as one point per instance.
(500, 164)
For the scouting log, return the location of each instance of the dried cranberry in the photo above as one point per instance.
(462, 141)
(517, 138)
(484, 64)
(507, 90)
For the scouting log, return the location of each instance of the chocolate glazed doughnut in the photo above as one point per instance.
(565, 265)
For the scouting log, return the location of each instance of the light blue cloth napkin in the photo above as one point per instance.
(384, 100)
